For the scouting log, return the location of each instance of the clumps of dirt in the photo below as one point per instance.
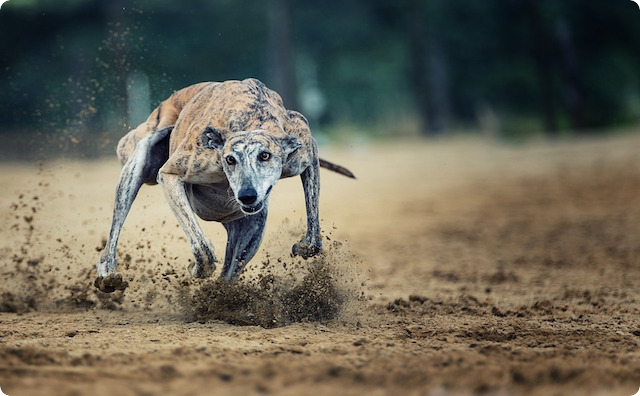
(37, 289)
(282, 290)
(421, 305)
(82, 294)
(24, 289)
(501, 276)
(50, 270)
(34, 278)
(10, 302)
(28, 355)
(574, 306)
(589, 217)
(269, 300)
(20, 218)
(79, 297)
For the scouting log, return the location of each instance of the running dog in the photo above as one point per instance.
(217, 149)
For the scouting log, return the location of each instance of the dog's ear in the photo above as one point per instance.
(213, 138)
(290, 144)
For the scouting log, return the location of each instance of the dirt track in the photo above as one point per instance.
(467, 268)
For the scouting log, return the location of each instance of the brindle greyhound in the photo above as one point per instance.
(217, 149)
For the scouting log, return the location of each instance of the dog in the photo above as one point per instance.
(217, 149)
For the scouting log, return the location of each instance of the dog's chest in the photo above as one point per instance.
(213, 202)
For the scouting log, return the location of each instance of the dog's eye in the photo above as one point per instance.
(231, 160)
(264, 156)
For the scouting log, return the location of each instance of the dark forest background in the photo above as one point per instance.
(82, 72)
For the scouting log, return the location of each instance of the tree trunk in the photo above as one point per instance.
(543, 66)
(428, 73)
(574, 92)
(116, 55)
(281, 52)
(439, 98)
(418, 54)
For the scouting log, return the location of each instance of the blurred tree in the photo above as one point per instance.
(429, 70)
(378, 65)
(281, 53)
(117, 50)
(418, 52)
(542, 58)
(572, 81)
(438, 87)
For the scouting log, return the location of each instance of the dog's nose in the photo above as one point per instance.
(248, 196)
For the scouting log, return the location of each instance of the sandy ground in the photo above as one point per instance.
(464, 268)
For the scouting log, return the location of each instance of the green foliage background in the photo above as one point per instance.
(65, 63)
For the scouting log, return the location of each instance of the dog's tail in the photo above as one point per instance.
(336, 168)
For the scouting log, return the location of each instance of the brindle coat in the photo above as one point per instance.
(217, 149)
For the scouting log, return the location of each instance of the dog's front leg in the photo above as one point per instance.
(244, 236)
(312, 242)
(129, 184)
(202, 248)
(133, 174)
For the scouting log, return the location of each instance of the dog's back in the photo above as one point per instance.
(232, 107)
(165, 115)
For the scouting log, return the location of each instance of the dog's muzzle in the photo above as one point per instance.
(257, 207)
(252, 209)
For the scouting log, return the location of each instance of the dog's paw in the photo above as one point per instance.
(201, 271)
(306, 250)
(110, 283)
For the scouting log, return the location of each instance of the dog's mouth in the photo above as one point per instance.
(256, 208)
(252, 209)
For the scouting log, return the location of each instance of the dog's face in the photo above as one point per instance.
(252, 162)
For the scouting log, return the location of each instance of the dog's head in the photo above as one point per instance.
(252, 161)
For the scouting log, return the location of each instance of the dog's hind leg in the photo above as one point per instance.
(244, 236)
(312, 242)
(136, 170)
(201, 246)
